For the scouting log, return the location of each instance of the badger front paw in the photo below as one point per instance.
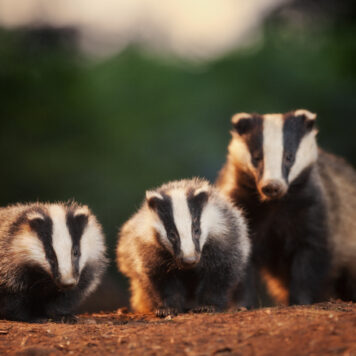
(162, 312)
(65, 319)
(204, 309)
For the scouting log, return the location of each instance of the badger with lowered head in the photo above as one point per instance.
(300, 202)
(185, 249)
(52, 256)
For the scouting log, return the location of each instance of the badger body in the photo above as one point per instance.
(51, 257)
(300, 203)
(339, 184)
(186, 248)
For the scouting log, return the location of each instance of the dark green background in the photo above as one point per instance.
(102, 132)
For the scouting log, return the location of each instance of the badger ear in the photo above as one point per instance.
(82, 210)
(153, 199)
(201, 195)
(242, 123)
(308, 117)
(35, 219)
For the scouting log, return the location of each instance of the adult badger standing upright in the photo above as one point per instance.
(300, 202)
(186, 248)
(51, 257)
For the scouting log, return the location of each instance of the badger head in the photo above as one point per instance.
(183, 218)
(60, 239)
(274, 149)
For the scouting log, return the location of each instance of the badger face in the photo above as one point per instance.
(60, 240)
(274, 149)
(182, 222)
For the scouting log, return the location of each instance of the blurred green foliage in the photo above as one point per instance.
(102, 132)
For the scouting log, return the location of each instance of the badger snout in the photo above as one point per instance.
(188, 261)
(66, 283)
(273, 189)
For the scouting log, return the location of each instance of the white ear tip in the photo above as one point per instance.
(242, 115)
(201, 190)
(152, 194)
(83, 210)
(302, 112)
(35, 215)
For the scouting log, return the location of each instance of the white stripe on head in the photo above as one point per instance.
(272, 147)
(92, 243)
(306, 155)
(62, 243)
(183, 221)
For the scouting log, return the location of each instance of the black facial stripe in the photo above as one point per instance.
(164, 210)
(196, 204)
(294, 129)
(76, 225)
(254, 142)
(44, 230)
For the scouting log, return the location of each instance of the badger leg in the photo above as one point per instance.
(309, 273)
(214, 289)
(245, 294)
(61, 307)
(170, 295)
(15, 307)
(345, 286)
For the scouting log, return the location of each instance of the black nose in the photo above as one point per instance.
(273, 189)
(65, 285)
(188, 262)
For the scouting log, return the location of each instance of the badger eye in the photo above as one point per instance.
(173, 236)
(257, 157)
(75, 252)
(288, 158)
(196, 231)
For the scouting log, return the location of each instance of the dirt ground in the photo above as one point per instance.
(321, 329)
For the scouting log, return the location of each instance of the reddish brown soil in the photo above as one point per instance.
(322, 329)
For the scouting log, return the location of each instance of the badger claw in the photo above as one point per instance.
(204, 309)
(162, 312)
(65, 319)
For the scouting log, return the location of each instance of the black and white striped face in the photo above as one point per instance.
(182, 220)
(274, 148)
(61, 239)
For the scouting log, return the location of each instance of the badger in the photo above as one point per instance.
(185, 249)
(300, 203)
(52, 256)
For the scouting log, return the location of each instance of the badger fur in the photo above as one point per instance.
(51, 257)
(300, 203)
(186, 248)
